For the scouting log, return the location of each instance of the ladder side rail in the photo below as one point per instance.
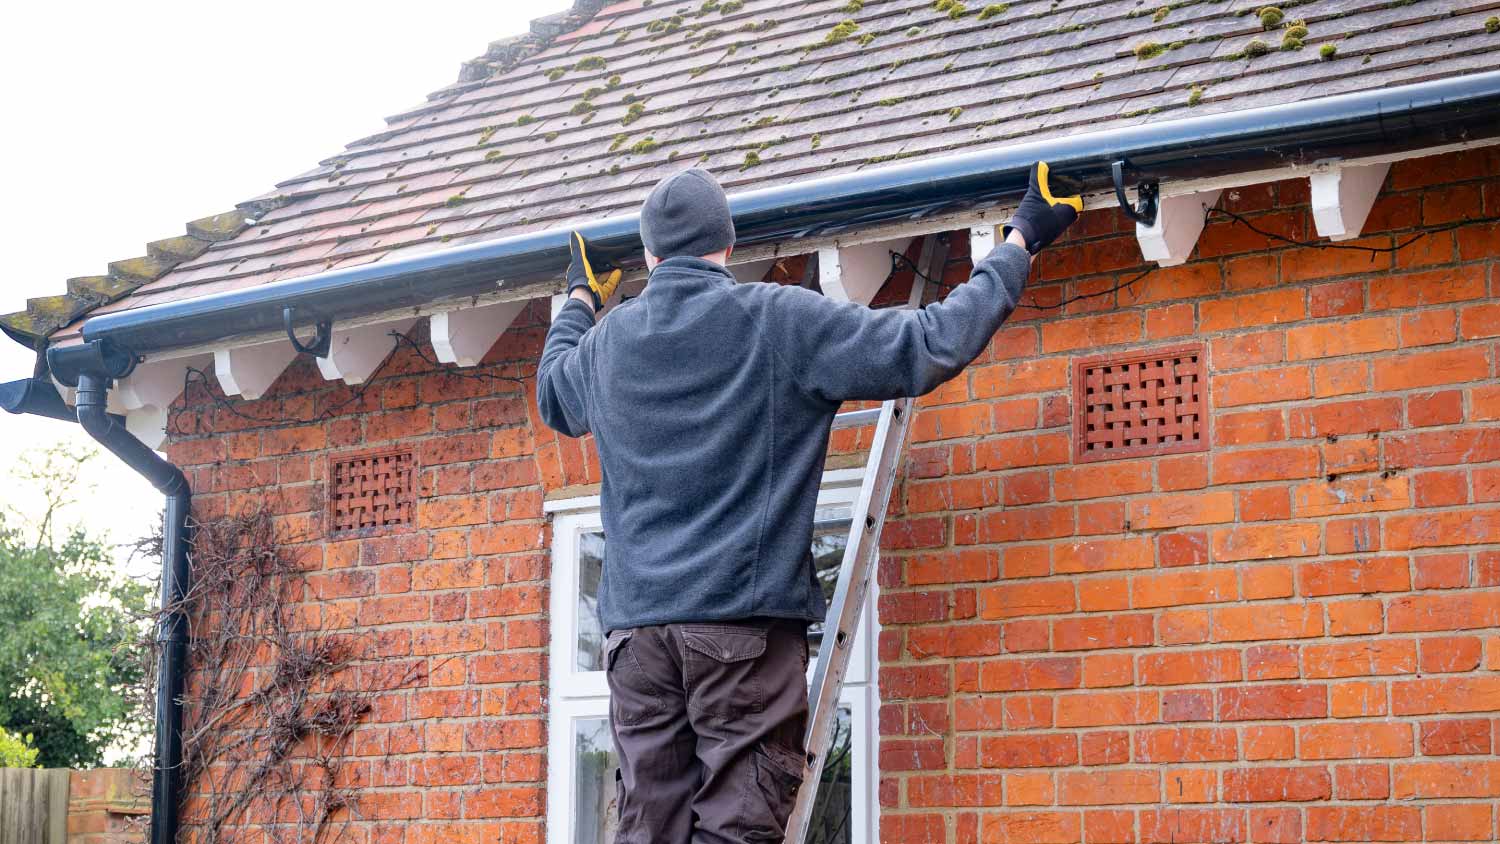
(893, 420)
(848, 602)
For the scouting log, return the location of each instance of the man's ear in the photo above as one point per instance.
(729, 253)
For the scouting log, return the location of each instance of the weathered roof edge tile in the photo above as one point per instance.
(506, 53)
(46, 314)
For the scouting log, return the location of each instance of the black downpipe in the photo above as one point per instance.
(171, 629)
(92, 368)
(1406, 117)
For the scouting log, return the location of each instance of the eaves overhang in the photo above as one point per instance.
(1415, 116)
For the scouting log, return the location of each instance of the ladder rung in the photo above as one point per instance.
(857, 418)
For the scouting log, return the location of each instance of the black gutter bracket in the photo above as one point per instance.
(1147, 192)
(321, 342)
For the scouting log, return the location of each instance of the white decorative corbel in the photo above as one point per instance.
(357, 352)
(155, 383)
(149, 425)
(69, 394)
(854, 273)
(982, 242)
(1342, 197)
(248, 371)
(1179, 221)
(752, 270)
(146, 394)
(465, 336)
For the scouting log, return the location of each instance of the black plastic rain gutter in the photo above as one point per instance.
(1399, 118)
(92, 368)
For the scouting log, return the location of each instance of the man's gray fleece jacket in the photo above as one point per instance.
(711, 403)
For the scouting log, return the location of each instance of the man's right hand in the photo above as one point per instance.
(587, 272)
(1043, 216)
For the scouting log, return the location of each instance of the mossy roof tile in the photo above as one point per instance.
(511, 136)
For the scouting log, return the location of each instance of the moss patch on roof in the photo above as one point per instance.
(670, 88)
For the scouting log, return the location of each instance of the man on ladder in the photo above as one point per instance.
(711, 403)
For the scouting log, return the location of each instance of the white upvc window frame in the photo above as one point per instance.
(584, 695)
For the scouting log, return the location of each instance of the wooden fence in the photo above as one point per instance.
(34, 806)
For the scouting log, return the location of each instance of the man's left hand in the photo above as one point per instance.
(599, 277)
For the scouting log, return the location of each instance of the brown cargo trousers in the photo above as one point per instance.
(709, 723)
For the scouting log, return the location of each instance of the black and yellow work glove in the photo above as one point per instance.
(1043, 215)
(600, 276)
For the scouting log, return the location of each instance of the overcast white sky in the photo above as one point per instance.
(125, 120)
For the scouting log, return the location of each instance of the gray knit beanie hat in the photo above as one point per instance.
(687, 214)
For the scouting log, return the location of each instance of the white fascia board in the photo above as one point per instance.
(1000, 214)
(155, 384)
(145, 396)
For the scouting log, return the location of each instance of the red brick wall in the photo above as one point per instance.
(1294, 636)
(108, 806)
(1262, 655)
(459, 599)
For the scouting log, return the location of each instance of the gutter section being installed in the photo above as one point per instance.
(1401, 118)
(92, 368)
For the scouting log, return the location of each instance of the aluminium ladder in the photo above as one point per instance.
(891, 420)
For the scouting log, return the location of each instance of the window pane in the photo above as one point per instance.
(597, 811)
(833, 808)
(830, 535)
(590, 630)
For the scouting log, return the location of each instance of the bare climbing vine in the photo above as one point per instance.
(271, 704)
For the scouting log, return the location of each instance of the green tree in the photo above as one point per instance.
(16, 751)
(68, 623)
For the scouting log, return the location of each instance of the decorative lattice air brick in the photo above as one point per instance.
(1139, 404)
(370, 490)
